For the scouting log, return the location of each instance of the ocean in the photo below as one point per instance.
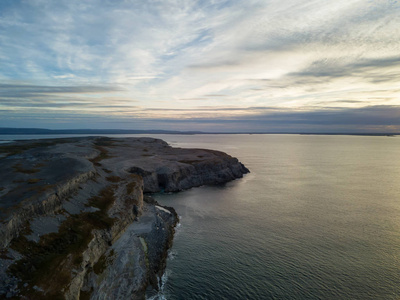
(318, 217)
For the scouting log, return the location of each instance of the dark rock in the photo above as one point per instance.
(95, 185)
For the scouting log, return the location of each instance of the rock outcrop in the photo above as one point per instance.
(74, 224)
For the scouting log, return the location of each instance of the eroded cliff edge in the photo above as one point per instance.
(75, 223)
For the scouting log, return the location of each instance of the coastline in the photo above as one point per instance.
(94, 185)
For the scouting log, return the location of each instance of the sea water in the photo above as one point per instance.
(318, 217)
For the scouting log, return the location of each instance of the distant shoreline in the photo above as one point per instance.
(41, 131)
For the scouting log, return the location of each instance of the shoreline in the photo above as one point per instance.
(75, 200)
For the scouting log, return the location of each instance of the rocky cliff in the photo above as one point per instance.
(74, 224)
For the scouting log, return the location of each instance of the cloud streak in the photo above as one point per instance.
(373, 119)
(219, 59)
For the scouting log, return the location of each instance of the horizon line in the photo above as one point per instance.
(46, 131)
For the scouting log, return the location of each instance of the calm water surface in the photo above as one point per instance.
(318, 217)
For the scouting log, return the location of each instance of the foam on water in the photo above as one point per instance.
(161, 294)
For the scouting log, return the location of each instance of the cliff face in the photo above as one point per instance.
(174, 176)
(168, 169)
(136, 259)
(73, 221)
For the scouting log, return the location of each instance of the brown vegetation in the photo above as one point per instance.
(114, 179)
(101, 264)
(131, 185)
(47, 264)
(20, 147)
(33, 180)
(20, 169)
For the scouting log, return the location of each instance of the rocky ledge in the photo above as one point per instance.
(75, 222)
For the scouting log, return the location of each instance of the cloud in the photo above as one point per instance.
(19, 96)
(148, 58)
(372, 119)
(366, 68)
(65, 76)
(42, 89)
(212, 109)
(370, 115)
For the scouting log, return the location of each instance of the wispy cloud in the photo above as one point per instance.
(43, 89)
(145, 59)
(373, 119)
(376, 69)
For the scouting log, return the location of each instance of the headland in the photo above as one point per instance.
(78, 220)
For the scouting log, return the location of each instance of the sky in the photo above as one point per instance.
(216, 66)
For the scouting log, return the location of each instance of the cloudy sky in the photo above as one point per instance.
(215, 65)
